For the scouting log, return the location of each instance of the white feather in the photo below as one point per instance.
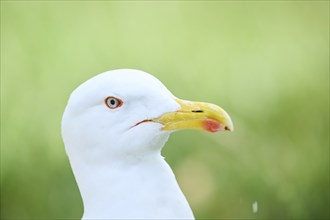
(119, 168)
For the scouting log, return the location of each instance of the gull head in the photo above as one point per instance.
(129, 114)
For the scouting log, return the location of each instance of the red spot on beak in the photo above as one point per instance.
(212, 125)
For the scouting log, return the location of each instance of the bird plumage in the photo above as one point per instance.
(115, 153)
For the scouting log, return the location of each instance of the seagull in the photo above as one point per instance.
(114, 128)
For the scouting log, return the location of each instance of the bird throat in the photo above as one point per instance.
(146, 189)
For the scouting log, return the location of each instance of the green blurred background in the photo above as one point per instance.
(265, 62)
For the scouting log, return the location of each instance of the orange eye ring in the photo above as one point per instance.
(113, 102)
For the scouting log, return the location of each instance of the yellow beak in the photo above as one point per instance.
(196, 115)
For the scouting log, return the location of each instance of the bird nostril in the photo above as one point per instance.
(197, 111)
(227, 129)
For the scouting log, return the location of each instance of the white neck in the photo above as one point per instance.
(145, 188)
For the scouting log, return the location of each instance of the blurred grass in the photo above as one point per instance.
(265, 62)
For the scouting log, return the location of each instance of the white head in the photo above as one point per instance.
(129, 113)
(114, 127)
(103, 118)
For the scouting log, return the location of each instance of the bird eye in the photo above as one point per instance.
(113, 102)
